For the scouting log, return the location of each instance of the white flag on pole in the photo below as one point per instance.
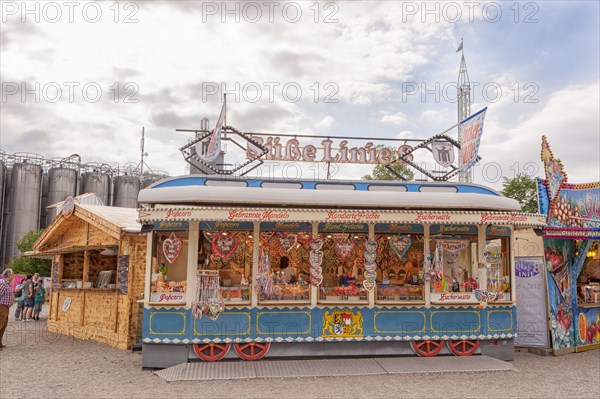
(214, 145)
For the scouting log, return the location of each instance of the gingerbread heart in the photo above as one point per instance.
(400, 244)
(316, 244)
(287, 241)
(224, 246)
(370, 276)
(371, 246)
(370, 257)
(316, 272)
(315, 258)
(369, 285)
(371, 267)
(172, 247)
(316, 281)
(343, 247)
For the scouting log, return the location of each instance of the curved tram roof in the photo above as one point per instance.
(201, 190)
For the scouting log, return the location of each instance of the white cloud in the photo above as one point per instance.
(398, 119)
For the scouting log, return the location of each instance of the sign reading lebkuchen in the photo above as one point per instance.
(471, 131)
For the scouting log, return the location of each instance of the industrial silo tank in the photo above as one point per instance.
(25, 199)
(97, 182)
(125, 191)
(44, 201)
(62, 183)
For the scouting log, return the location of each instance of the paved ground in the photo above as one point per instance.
(39, 364)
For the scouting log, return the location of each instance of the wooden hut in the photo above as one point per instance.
(98, 268)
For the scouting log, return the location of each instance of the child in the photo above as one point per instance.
(40, 298)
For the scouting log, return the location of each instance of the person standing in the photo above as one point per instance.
(7, 297)
(19, 297)
(28, 299)
(40, 298)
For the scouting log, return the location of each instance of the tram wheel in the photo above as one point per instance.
(211, 352)
(252, 350)
(427, 348)
(463, 347)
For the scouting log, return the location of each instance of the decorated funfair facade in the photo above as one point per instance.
(571, 255)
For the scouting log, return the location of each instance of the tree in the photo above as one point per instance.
(25, 264)
(381, 172)
(524, 189)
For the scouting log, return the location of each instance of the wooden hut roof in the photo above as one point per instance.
(90, 226)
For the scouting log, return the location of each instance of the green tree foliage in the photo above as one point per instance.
(27, 265)
(381, 172)
(523, 189)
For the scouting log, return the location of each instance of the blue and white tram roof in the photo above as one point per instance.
(196, 190)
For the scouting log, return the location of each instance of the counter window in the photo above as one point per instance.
(496, 254)
(229, 252)
(285, 256)
(169, 267)
(343, 268)
(451, 268)
(400, 264)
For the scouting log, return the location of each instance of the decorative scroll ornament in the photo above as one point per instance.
(400, 244)
(224, 246)
(343, 247)
(208, 295)
(172, 247)
(555, 174)
(287, 240)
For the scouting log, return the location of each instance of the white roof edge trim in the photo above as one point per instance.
(294, 197)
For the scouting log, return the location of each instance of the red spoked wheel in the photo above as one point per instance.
(427, 348)
(211, 352)
(463, 347)
(252, 350)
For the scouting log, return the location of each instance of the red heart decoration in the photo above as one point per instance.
(343, 247)
(224, 246)
(172, 247)
(287, 241)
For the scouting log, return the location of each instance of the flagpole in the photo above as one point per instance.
(225, 106)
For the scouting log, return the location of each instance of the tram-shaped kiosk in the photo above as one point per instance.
(374, 268)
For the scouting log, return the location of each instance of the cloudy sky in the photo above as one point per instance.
(85, 77)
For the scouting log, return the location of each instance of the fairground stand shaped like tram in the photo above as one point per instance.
(377, 268)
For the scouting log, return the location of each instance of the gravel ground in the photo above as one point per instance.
(64, 367)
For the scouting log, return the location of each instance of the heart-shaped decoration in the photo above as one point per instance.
(370, 257)
(400, 244)
(316, 272)
(303, 239)
(369, 285)
(343, 247)
(224, 246)
(370, 276)
(172, 247)
(287, 241)
(371, 267)
(370, 246)
(315, 258)
(316, 244)
(316, 281)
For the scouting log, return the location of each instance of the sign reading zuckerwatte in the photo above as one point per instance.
(471, 130)
(532, 324)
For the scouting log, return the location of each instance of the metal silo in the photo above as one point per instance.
(125, 191)
(96, 179)
(25, 200)
(62, 182)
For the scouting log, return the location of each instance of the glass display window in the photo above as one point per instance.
(284, 267)
(400, 262)
(169, 267)
(230, 253)
(451, 268)
(497, 255)
(343, 263)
